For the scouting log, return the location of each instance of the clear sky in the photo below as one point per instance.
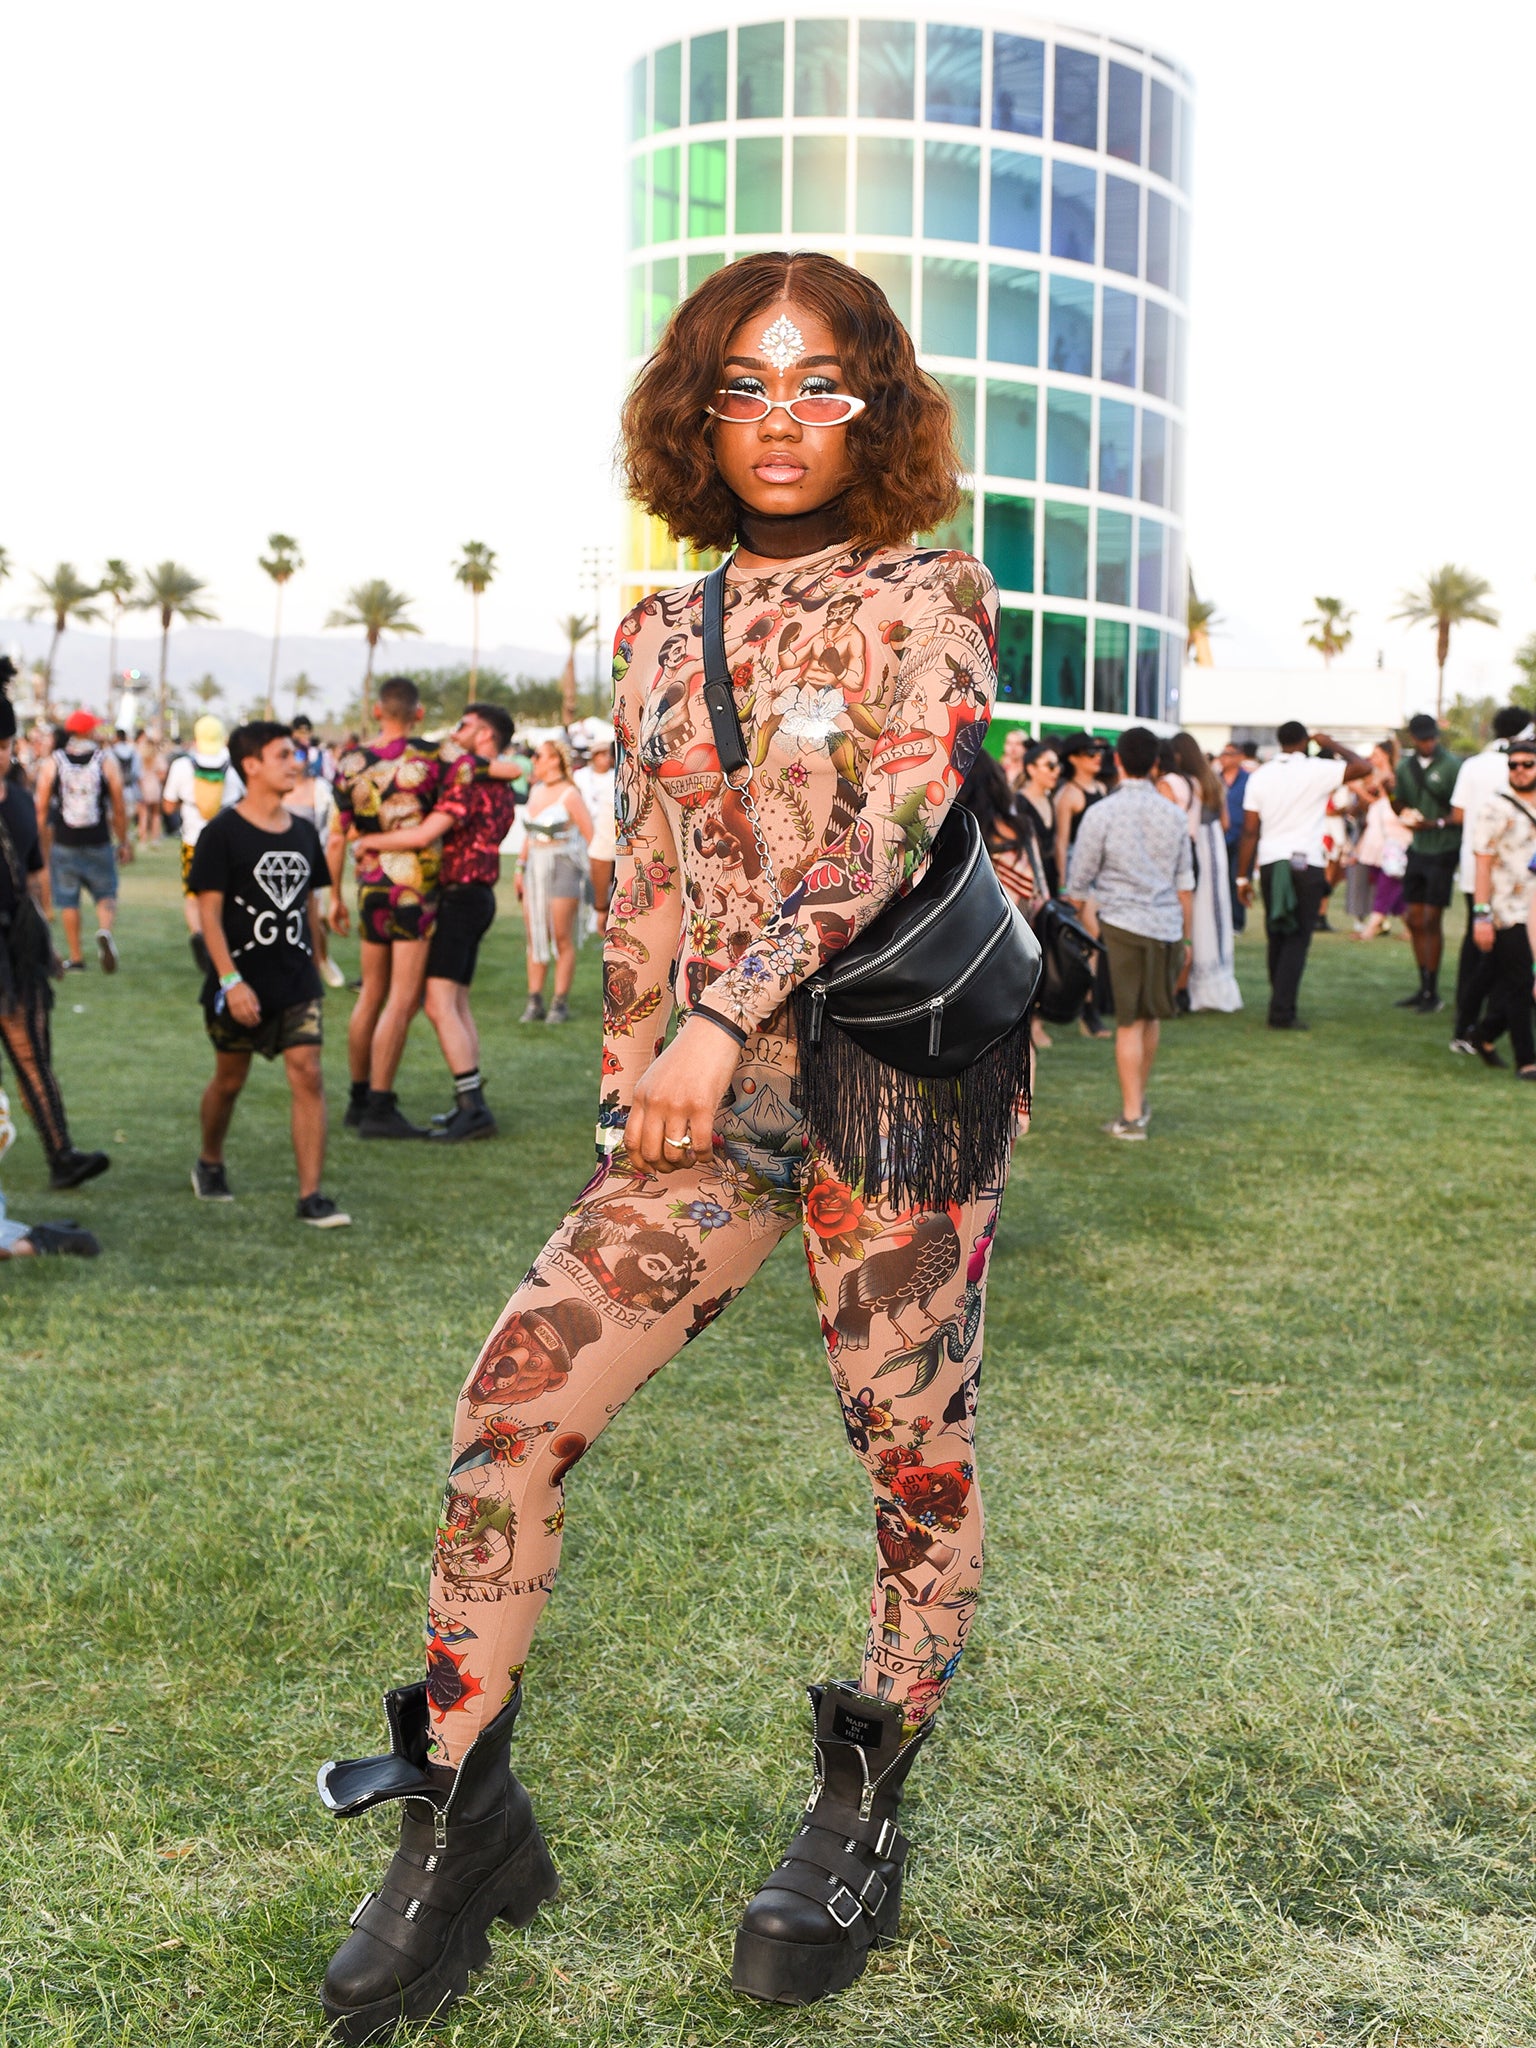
(354, 271)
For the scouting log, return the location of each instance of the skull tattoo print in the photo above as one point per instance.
(864, 681)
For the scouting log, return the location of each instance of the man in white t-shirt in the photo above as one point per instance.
(1479, 1015)
(1284, 806)
(203, 783)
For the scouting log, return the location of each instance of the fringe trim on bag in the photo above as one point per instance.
(924, 1143)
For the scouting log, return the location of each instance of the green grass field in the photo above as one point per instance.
(1244, 1747)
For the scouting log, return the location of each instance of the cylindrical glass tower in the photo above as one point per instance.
(1022, 197)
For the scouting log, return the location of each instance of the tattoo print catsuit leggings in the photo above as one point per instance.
(641, 1264)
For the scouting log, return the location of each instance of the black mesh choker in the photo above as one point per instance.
(780, 536)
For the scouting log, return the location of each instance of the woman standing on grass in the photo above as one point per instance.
(783, 409)
(1384, 843)
(555, 829)
(1210, 972)
(1080, 787)
(1041, 771)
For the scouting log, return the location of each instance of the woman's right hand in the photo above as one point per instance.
(677, 1096)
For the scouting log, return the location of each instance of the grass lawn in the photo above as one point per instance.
(1244, 1746)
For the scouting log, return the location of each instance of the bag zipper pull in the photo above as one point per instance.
(935, 1026)
(818, 1004)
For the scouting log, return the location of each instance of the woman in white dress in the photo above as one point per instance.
(1195, 783)
(595, 782)
(555, 828)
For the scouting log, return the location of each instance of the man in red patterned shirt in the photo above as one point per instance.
(471, 815)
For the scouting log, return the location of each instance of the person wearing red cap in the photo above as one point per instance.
(81, 811)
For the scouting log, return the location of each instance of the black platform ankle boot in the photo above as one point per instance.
(471, 1118)
(470, 1852)
(837, 1892)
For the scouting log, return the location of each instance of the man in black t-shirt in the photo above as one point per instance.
(254, 873)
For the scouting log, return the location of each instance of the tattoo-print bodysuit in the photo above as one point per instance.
(864, 681)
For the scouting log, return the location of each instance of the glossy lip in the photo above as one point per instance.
(776, 469)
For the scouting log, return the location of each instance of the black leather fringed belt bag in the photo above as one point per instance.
(914, 1039)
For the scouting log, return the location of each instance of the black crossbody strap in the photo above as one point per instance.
(719, 700)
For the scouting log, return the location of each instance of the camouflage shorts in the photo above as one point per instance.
(299, 1024)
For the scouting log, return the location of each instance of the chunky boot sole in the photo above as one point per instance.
(514, 1893)
(800, 1972)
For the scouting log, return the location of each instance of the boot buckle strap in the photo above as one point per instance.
(859, 1901)
(854, 1908)
(361, 1908)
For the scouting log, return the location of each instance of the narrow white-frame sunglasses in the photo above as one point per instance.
(810, 409)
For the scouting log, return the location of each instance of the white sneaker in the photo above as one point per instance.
(1131, 1133)
(332, 973)
(106, 952)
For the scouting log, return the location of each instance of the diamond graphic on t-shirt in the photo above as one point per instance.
(283, 876)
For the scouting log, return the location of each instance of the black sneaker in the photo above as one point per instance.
(1413, 1002)
(354, 1114)
(1488, 1054)
(210, 1183)
(383, 1119)
(1428, 1005)
(321, 1211)
(106, 952)
(74, 967)
(1288, 1024)
(200, 951)
(62, 1240)
(70, 1168)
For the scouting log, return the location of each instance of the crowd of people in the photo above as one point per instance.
(265, 819)
(1162, 879)
(1153, 886)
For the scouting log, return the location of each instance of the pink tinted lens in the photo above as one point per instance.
(740, 405)
(824, 411)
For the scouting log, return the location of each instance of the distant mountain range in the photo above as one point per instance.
(240, 662)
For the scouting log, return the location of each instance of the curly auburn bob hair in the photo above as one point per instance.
(906, 472)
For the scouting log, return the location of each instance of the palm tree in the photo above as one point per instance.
(1333, 633)
(205, 690)
(304, 691)
(475, 568)
(279, 565)
(62, 597)
(378, 610)
(172, 591)
(1447, 597)
(575, 626)
(1202, 617)
(1524, 692)
(117, 582)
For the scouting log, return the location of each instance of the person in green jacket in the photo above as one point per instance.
(1426, 779)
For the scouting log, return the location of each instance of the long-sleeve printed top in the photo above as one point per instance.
(864, 681)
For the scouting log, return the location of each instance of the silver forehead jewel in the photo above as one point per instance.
(782, 343)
